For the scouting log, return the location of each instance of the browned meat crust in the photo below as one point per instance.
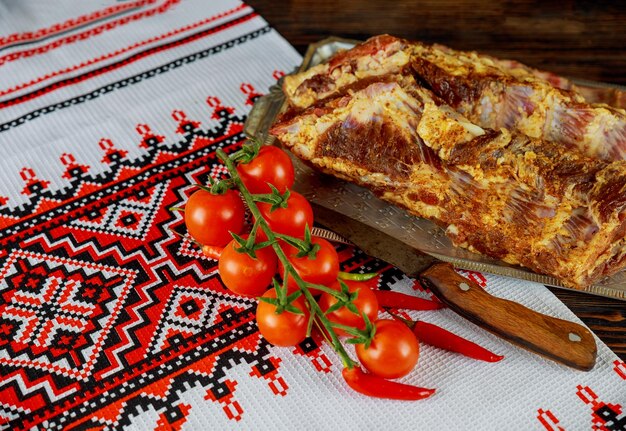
(491, 93)
(523, 200)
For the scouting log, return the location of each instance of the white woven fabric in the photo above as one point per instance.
(159, 66)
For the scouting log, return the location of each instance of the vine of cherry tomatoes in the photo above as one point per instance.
(294, 274)
(249, 265)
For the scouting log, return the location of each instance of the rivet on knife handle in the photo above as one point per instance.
(562, 341)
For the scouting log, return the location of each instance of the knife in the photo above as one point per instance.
(559, 340)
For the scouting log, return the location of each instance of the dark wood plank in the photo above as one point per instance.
(582, 39)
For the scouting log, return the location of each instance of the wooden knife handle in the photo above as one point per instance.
(562, 341)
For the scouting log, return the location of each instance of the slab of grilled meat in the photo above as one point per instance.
(494, 96)
(591, 92)
(365, 63)
(519, 199)
(491, 93)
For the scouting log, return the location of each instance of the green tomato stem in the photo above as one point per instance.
(296, 242)
(348, 329)
(326, 289)
(314, 307)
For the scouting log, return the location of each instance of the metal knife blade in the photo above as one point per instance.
(565, 342)
(374, 242)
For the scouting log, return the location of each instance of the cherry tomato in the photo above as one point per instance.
(209, 218)
(244, 275)
(291, 220)
(321, 270)
(272, 165)
(394, 351)
(284, 329)
(365, 302)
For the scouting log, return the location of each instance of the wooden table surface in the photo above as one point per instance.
(584, 39)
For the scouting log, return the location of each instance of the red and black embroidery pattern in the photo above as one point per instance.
(99, 300)
(106, 313)
(175, 64)
(120, 167)
(77, 36)
(604, 416)
(68, 25)
(109, 67)
(121, 51)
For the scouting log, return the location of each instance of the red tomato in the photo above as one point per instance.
(244, 275)
(394, 351)
(321, 270)
(209, 218)
(272, 165)
(284, 329)
(365, 302)
(291, 220)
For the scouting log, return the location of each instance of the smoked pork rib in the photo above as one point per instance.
(491, 93)
(518, 199)
(493, 96)
(378, 56)
(591, 93)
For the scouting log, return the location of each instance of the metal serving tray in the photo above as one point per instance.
(360, 204)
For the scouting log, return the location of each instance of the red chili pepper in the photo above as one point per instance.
(377, 387)
(212, 251)
(387, 298)
(438, 301)
(355, 276)
(444, 339)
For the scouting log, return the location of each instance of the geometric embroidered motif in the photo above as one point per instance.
(100, 306)
(130, 217)
(191, 310)
(57, 312)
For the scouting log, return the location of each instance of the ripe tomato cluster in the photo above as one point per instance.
(295, 276)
